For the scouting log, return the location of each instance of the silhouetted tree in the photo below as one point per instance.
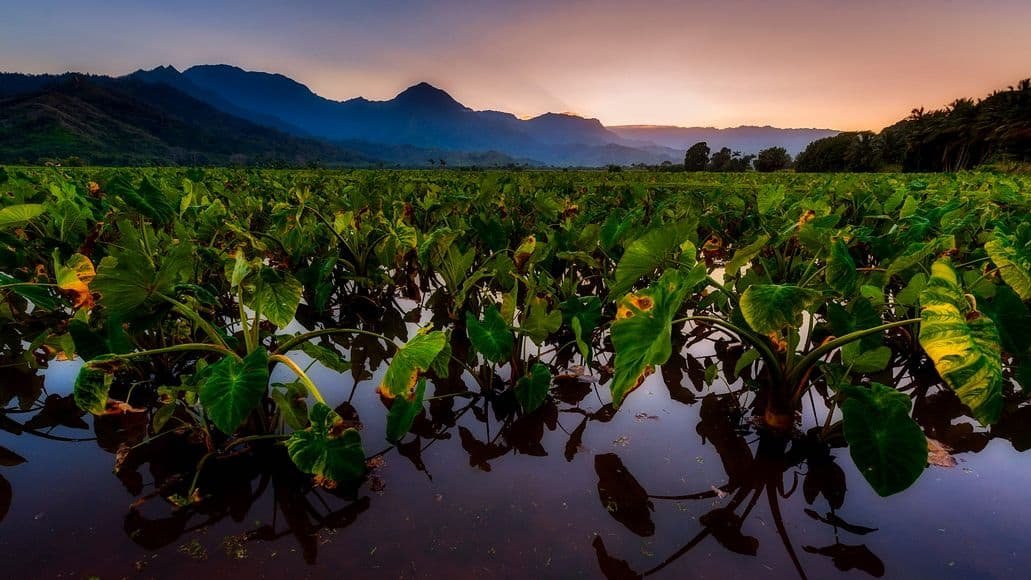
(772, 159)
(851, 151)
(697, 157)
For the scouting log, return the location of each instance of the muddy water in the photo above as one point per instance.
(675, 484)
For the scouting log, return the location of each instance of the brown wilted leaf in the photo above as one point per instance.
(939, 454)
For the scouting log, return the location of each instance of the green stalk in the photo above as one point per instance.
(300, 338)
(191, 346)
(195, 318)
(248, 343)
(764, 350)
(300, 375)
(810, 359)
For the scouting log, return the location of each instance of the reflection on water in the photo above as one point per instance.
(676, 483)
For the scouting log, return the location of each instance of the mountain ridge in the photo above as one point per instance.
(420, 123)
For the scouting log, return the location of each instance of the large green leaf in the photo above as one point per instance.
(491, 337)
(147, 198)
(532, 390)
(234, 388)
(91, 390)
(963, 343)
(641, 333)
(277, 295)
(325, 449)
(745, 254)
(645, 254)
(37, 294)
(1013, 259)
(403, 412)
(128, 281)
(540, 322)
(772, 307)
(291, 399)
(408, 364)
(326, 356)
(19, 214)
(841, 272)
(887, 445)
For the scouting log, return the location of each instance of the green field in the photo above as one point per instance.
(200, 299)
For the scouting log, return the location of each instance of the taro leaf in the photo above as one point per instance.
(1013, 260)
(38, 295)
(91, 390)
(865, 361)
(532, 390)
(234, 388)
(492, 337)
(963, 343)
(125, 283)
(88, 344)
(327, 357)
(442, 364)
(582, 345)
(524, 252)
(147, 198)
(403, 412)
(860, 315)
(408, 364)
(916, 253)
(9, 458)
(1013, 319)
(74, 277)
(291, 398)
(910, 295)
(325, 449)
(886, 444)
(641, 333)
(582, 315)
(745, 360)
(645, 254)
(745, 255)
(277, 295)
(771, 307)
(539, 322)
(161, 417)
(841, 269)
(19, 214)
(587, 309)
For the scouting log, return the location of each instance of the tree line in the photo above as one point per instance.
(962, 135)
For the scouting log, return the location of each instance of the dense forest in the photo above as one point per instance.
(962, 135)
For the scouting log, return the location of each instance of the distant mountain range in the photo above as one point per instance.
(218, 114)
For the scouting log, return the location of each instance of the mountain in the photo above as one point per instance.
(746, 139)
(124, 121)
(222, 113)
(423, 117)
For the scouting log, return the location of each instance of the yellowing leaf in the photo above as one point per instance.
(963, 344)
(74, 277)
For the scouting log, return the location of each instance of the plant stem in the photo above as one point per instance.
(300, 338)
(196, 318)
(811, 358)
(248, 343)
(300, 375)
(764, 350)
(190, 346)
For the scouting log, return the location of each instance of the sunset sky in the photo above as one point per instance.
(830, 63)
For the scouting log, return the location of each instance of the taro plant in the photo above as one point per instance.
(776, 319)
(227, 398)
